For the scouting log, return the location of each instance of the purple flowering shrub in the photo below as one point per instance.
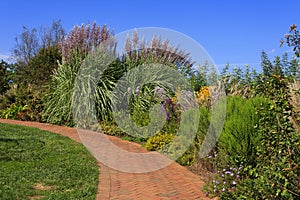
(224, 180)
(172, 110)
(143, 98)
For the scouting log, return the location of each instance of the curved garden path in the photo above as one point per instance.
(171, 182)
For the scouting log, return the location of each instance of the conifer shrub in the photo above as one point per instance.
(239, 136)
(236, 147)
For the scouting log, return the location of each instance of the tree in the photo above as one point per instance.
(37, 53)
(42, 66)
(237, 74)
(292, 39)
(247, 76)
(27, 45)
(51, 36)
(285, 63)
(225, 76)
(266, 64)
(294, 69)
(31, 40)
(277, 69)
(4, 76)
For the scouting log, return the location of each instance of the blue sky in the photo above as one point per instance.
(230, 31)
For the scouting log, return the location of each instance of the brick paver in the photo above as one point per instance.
(171, 182)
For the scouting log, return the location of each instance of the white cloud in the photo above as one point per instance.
(237, 64)
(271, 51)
(5, 57)
(288, 51)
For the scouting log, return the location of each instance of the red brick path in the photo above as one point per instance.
(171, 182)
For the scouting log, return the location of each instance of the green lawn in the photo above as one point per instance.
(37, 164)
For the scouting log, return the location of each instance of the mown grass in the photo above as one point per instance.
(37, 164)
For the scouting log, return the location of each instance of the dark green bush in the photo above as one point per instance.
(12, 112)
(23, 103)
(5, 76)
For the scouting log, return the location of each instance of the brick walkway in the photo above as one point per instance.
(171, 182)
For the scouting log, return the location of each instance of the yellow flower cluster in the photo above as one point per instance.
(159, 141)
(174, 98)
(278, 78)
(203, 94)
